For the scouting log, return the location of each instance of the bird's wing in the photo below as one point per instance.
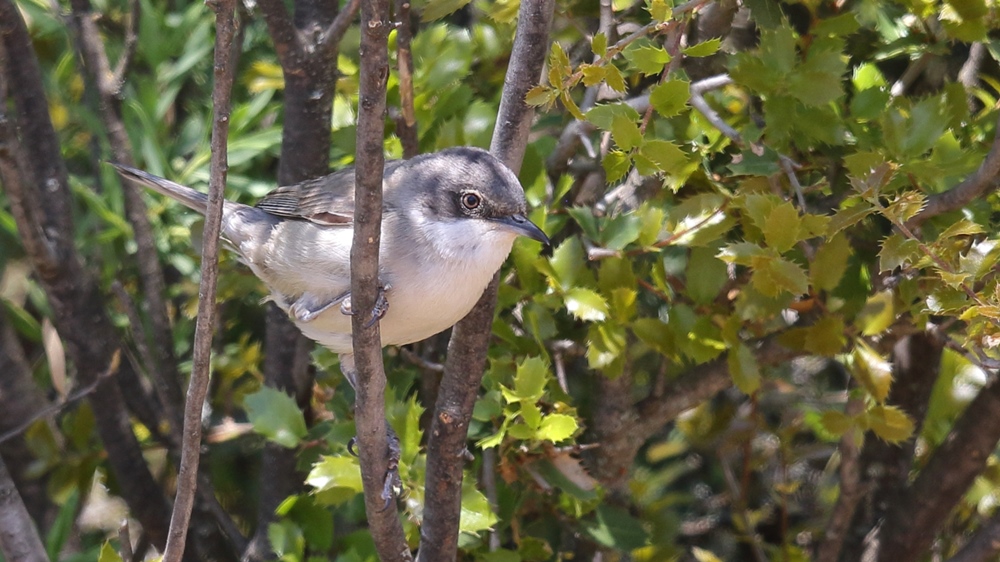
(328, 200)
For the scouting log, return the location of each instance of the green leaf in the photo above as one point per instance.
(655, 334)
(741, 253)
(567, 263)
(871, 370)
(664, 155)
(830, 263)
(625, 132)
(599, 44)
(781, 228)
(108, 553)
(706, 275)
(275, 415)
(541, 96)
(849, 216)
(616, 164)
(614, 527)
(614, 79)
(890, 423)
(837, 423)
(620, 231)
(586, 304)
(603, 116)
(437, 9)
(878, 313)
(671, 97)
(704, 49)
(477, 514)
(593, 74)
(647, 59)
(336, 480)
(557, 427)
(744, 369)
(778, 275)
(897, 252)
(530, 380)
(905, 206)
(826, 337)
(767, 14)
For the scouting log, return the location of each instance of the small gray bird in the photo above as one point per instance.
(449, 220)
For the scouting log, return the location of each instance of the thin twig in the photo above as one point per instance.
(851, 491)
(129, 48)
(124, 542)
(187, 476)
(406, 124)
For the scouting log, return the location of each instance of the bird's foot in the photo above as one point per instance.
(308, 306)
(381, 305)
(392, 480)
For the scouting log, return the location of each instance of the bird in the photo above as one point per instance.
(449, 220)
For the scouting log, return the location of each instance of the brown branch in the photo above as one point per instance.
(369, 411)
(915, 516)
(851, 491)
(971, 188)
(286, 39)
(19, 540)
(470, 338)
(129, 48)
(330, 40)
(187, 476)
(406, 123)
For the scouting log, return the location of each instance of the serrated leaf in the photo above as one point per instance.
(836, 423)
(599, 44)
(570, 105)
(614, 527)
(108, 553)
(704, 49)
(671, 97)
(614, 79)
(541, 96)
(567, 263)
(782, 276)
(647, 59)
(759, 207)
(626, 132)
(655, 334)
(705, 276)
(741, 253)
(659, 10)
(593, 74)
(530, 380)
(872, 371)
(557, 427)
(602, 116)
(961, 227)
(620, 231)
(905, 206)
(275, 415)
(890, 423)
(830, 263)
(616, 164)
(586, 304)
(781, 228)
(849, 216)
(477, 514)
(897, 251)
(665, 155)
(335, 480)
(744, 369)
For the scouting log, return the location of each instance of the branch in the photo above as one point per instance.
(187, 477)
(984, 544)
(406, 123)
(369, 411)
(913, 519)
(128, 50)
(851, 491)
(287, 42)
(973, 187)
(330, 40)
(470, 338)
(19, 540)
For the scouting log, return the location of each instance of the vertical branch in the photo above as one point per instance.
(19, 540)
(406, 123)
(187, 478)
(470, 337)
(384, 524)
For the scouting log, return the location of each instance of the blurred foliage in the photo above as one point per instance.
(694, 247)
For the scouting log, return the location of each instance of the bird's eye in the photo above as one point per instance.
(471, 200)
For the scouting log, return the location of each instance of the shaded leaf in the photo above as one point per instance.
(275, 415)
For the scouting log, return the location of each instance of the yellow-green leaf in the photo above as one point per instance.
(890, 423)
(830, 262)
(872, 371)
(586, 304)
(781, 228)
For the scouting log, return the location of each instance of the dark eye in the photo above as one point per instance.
(471, 200)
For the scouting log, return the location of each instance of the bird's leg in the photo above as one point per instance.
(308, 306)
(381, 304)
(394, 447)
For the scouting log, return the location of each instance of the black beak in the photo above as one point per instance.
(519, 224)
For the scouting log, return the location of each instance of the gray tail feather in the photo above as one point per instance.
(195, 200)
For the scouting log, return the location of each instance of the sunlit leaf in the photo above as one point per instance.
(275, 415)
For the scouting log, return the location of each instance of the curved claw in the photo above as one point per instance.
(350, 446)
